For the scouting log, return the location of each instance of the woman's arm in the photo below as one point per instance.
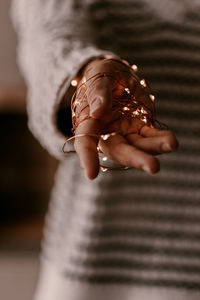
(53, 43)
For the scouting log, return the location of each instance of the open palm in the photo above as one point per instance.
(134, 144)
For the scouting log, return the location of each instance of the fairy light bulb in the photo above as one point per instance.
(104, 169)
(135, 68)
(135, 112)
(105, 136)
(125, 108)
(84, 80)
(76, 102)
(152, 97)
(74, 82)
(143, 111)
(104, 158)
(127, 90)
(143, 83)
(144, 119)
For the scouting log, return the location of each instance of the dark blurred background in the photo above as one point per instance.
(26, 177)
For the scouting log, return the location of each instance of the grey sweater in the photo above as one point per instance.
(127, 234)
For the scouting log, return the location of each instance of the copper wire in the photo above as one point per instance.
(125, 106)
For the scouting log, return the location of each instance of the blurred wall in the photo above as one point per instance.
(26, 172)
(9, 73)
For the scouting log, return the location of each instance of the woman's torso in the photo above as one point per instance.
(130, 227)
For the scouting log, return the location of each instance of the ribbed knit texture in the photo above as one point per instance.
(126, 230)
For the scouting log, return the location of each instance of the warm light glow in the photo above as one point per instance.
(143, 83)
(105, 136)
(74, 82)
(135, 113)
(76, 102)
(143, 111)
(104, 169)
(127, 90)
(144, 119)
(134, 67)
(126, 104)
(152, 98)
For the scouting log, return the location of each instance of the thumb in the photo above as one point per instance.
(99, 97)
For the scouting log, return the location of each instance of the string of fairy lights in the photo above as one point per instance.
(127, 105)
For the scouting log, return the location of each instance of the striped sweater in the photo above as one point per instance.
(127, 234)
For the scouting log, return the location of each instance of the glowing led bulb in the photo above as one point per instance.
(152, 97)
(143, 83)
(74, 114)
(76, 102)
(143, 111)
(74, 82)
(135, 113)
(113, 133)
(127, 90)
(84, 80)
(105, 136)
(135, 68)
(98, 148)
(104, 158)
(126, 108)
(144, 119)
(104, 169)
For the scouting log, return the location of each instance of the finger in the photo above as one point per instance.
(154, 145)
(147, 131)
(117, 148)
(99, 96)
(86, 148)
(169, 140)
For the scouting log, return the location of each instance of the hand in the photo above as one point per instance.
(136, 145)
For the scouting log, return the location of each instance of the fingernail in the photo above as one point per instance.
(96, 104)
(166, 148)
(146, 169)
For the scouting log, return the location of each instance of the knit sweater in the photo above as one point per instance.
(127, 234)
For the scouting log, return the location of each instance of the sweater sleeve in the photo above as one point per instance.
(53, 43)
